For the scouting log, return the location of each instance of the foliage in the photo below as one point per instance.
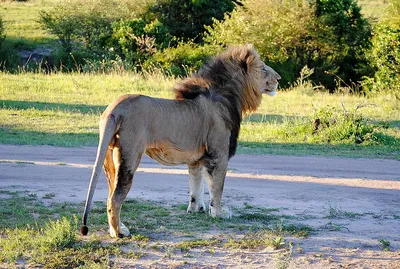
(273, 27)
(182, 60)
(136, 40)
(386, 50)
(331, 37)
(88, 26)
(98, 34)
(57, 234)
(187, 19)
(62, 23)
(2, 35)
(351, 38)
(8, 57)
(384, 244)
(331, 125)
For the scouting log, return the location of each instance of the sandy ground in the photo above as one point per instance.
(305, 187)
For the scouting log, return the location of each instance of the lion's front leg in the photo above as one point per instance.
(216, 179)
(196, 199)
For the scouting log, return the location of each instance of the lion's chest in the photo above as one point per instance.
(167, 154)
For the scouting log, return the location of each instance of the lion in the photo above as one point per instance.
(199, 128)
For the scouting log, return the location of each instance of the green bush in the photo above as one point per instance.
(86, 28)
(183, 59)
(351, 39)
(62, 23)
(186, 19)
(2, 35)
(385, 53)
(332, 126)
(274, 28)
(58, 234)
(329, 36)
(99, 33)
(135, 40)
(9, 58)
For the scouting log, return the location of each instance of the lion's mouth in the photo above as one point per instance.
(272, 92)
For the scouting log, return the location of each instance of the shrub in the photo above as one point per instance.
(182, 60)
(2, 35)
(273, 27)
(186, 19)
(351, 39)
(385, 53)
(9, 57)
(88, 26)
(135, 40)
(329, 36)
(332, 126)
(62, 23)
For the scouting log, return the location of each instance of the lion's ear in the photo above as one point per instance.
(243, 65)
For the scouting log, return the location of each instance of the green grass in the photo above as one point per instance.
(41, 235)
(335, 212)
(22, 28)
(63, 110)
(384, 244)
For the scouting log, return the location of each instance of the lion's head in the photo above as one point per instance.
(238, 75)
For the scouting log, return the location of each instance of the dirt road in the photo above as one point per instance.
(310, 188)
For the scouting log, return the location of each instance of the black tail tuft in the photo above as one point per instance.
(84, 230)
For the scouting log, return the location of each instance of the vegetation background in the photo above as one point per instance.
(63, 61)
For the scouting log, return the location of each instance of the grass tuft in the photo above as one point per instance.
(335, 212)
(185, 246)
(58, 234)
(25, 242)
(261, 239)
(384, 244)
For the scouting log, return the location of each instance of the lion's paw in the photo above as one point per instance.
(222, 213)
(123, 230)
(196, 207)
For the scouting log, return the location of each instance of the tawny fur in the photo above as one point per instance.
(199, 128)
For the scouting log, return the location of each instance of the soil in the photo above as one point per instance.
(352, 204)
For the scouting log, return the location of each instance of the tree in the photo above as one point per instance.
(284, 32)
(352, 37)
(186, 18)
(385, 53)
(2, 36)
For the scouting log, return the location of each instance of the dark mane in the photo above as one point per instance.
(231, 79)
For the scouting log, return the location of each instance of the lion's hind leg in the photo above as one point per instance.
(196, 200)
(119, 183)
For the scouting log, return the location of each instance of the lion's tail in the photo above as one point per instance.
(108, 128)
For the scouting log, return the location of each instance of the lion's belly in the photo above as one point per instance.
(167, 155)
